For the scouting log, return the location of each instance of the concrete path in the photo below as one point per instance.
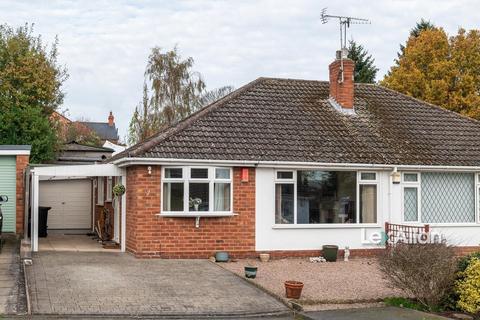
(80, 283)
(12, 288)
(384, 313)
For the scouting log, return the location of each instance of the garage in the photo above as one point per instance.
(13, 163)
(68, 190)
(8, 188)
(70, 202)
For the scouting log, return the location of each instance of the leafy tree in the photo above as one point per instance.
(215, 94)
(441, 70)
(171, 92)
(143, 122)
(80, 133)
(30, 89)
(19, 125)
(420, 26)
(176, 89)
(365, 70)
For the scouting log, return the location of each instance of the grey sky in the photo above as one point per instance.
(105, 44)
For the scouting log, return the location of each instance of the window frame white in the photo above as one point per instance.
(367, 182)
(186, 180)
(100, 191)
(108, 196)
(412, 184)
(327, 225)
(477, 198)
(292, 181)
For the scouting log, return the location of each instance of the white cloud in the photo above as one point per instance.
(105, 44)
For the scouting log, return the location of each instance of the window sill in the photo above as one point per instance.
(326, 226)
(195, 214)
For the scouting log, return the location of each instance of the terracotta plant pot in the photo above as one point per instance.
(293, 289)
(264, 257)
(250, 272)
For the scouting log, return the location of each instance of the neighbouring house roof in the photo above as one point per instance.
(74, 146)
(103, 130)
(115, 147)
(292, 120)
(75, 153)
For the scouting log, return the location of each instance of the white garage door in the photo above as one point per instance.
(70, 201)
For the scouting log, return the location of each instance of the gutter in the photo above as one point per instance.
(125, 162)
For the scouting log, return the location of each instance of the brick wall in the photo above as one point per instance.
(149, 235)
(21, 163)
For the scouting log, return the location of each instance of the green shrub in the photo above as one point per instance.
(465, 261)
(468, 287)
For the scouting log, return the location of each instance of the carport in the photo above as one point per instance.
(71, 172)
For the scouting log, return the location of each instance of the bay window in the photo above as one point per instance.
(193, 190)
(325, 197)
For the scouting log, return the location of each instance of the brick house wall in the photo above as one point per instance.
(149, 235)
(21, 164)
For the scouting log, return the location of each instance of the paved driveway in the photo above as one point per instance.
(118, 284)
(12, 289)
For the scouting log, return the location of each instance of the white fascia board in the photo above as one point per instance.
(14, 152)
(91, 170)
(124, 162)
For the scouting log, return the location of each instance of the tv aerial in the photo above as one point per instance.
(344, 22)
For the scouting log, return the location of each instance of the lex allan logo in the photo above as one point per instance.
(380, 238)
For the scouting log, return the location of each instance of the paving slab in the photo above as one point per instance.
(12, 287)
(383, 313)
(92, 283)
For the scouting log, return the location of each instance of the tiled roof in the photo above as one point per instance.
(74, 146)
(103, 130)
(291, 120)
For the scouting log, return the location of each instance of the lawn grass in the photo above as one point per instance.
(405, 303)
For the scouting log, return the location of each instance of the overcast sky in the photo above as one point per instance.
(105, 44)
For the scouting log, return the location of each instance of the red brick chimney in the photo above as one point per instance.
(341, 83)
(111, 119)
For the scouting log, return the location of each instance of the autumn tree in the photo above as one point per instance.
(441, 70)
(365, 70)
(30, 90)
(80, 133)
(171, 92)
(420, 26)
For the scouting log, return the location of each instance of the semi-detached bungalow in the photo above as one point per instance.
(286, 166)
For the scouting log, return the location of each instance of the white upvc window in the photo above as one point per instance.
(411, 197)
(109, 189)
(100, 191)
(477, 198)
(197, 191)
(367, 197)
(325, 197)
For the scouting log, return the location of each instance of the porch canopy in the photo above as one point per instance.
(38, 173)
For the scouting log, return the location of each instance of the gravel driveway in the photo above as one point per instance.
(356, 281)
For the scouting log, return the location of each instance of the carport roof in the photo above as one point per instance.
(15, 147)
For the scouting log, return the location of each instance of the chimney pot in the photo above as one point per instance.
(111, 119)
